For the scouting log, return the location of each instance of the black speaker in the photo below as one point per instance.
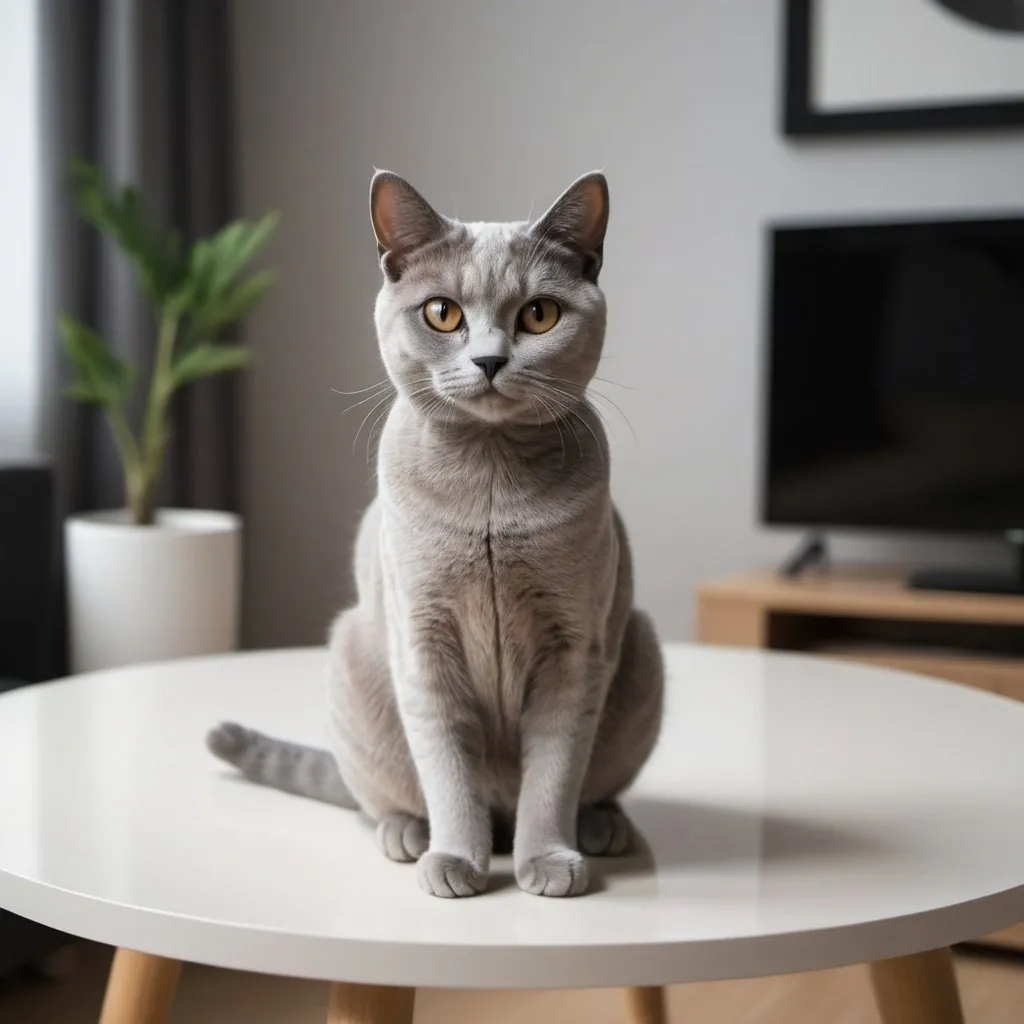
(28, 581)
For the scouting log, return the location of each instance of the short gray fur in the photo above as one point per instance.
(493, 677)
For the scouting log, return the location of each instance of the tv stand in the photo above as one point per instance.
(812, 554)
(976, 581)
(871, 616)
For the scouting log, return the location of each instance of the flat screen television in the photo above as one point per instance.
(895, 376)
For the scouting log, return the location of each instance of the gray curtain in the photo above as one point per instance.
(143, 89)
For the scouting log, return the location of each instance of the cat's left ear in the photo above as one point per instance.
(403, 221)
(579, 219)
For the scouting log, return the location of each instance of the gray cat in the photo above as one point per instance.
(493, 679)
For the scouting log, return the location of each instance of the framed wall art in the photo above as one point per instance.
(902, 65)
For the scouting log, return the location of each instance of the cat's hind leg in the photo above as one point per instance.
(603, 830)
(629, 727)
(402, 837)
(368, 739)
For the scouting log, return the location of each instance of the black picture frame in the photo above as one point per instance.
(800, 119)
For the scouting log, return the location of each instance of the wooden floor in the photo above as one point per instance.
(993, 993)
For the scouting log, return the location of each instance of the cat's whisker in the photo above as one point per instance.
(531, 255)
(434, 404)
(363, 401)
(536, 408)
(379, 389)
(562, 399)
(383, 414)
(425, 390)
(598, 394)
(571, 397)
(615, 383)
(538, 242)
(572, 400)
(362, 391)
(550, 379)
(355, 440)
(381, 418)
(426, 387)
(554, 419)
(571, 404)
(600, 447)
(626, 419)
(571, 412)
(579, 444)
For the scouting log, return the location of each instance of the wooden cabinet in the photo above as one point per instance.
(870, 615)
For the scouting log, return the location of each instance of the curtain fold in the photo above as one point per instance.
(142, 88)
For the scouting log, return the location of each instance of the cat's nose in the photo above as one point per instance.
(490, 365)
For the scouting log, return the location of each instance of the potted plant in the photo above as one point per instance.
(146, 583)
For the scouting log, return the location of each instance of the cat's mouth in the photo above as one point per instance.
(494, 402)
(492, 405)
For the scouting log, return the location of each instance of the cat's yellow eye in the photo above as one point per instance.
(442, 314)
(538, 316)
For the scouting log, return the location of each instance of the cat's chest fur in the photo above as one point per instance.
(505, 548)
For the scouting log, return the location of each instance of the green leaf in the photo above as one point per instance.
(119, 214)
(195, 291)
(103, 376)
(258, 235)
(235, 246)
(181, 300)
(240, 302)
(201, 267)
(207, 360)
(224, 262)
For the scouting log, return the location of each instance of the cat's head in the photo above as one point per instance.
(493, 322)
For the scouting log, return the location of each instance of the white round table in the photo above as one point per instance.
(797, 814)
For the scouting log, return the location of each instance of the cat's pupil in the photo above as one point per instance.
(536, 312)
(442, 311)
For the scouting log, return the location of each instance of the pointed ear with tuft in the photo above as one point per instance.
(579, 219)
(403, 221)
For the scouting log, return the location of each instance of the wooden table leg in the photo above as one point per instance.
(370, 1004)
(919, 989)
(140, 988)
(646, 1006)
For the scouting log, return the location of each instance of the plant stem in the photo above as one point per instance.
(131, 460)
(154, 429)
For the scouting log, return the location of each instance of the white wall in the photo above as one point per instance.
(492, 107)
(20, 355)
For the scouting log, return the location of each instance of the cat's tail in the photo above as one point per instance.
(291, 767)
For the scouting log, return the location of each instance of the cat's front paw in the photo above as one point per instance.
(402, 837)
(448, 876)
(603, 830)
(556, 873)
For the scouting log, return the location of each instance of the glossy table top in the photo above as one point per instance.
(797, 814)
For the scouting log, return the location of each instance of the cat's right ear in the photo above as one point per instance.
(403, 221)
(579, 219)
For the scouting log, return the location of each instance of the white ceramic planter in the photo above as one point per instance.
(150, 593)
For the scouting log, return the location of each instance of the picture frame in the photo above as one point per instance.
(999, 104)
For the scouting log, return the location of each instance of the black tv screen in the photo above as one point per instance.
(895, 376)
